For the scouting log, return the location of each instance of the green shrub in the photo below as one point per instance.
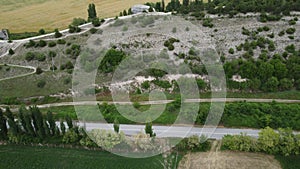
(42, 43)
(57, 34)
(78, 21)
(290, 31)
(29, 56)
(231, 51)
(93, 30)
(11, 51)
(61, 41)
(41, 84)
(51, 44)
(40, 57)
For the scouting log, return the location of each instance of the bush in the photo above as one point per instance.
(11, 51)
(174, 30)
(96, 22)
(290, 48)
(281, 33)
(52, 54)
(29, 56)
(292, 22)
(30, 44)
(57, 34)
(61, 41)
(93, 30)
(40, 57)
(74, 29)
(51, 44)
(266, 28)
(41, 84)
(231, 51)
(207, 23)
(78, 21)
(42, 31)
(42, 43)
(290, 31)
(145, 85)
(39, 71)
(171, 47)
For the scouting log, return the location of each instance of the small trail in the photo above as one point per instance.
(214, 154)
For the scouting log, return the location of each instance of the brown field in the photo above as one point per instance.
(216, 159)
(229, 160)
(32, 15)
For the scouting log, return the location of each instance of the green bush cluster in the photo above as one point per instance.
(283, 142)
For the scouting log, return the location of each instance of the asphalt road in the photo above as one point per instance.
(173, 131)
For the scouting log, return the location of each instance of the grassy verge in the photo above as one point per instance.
(27, 157)
(290, 162)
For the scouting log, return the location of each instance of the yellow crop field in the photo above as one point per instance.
(32, 15)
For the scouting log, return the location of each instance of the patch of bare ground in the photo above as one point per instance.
(216, 159)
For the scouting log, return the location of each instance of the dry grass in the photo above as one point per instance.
(229, 160)
(32, 15)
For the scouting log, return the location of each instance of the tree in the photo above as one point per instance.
(285, 84)
(124, 13)
(265, 71)
(268, 140)
(149, 130)
(11, 51)
(70, 137)
(287, 142)
(47, 128)
(22, 111)
(280, 70)
(69, 122)
(51, 122)
(57, 34)
(163, 6)
(116, 125)
(3, 127)
(37, 120)
(231, 51)
(271, 85)
(42, 31)
(62, 127)
(186, 2)
(96, 22)
(13, 127)
(92, 14)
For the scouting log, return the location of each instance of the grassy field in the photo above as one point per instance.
(290, 162)
(25, 157)
(32, 15)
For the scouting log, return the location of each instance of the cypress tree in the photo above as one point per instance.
(69, 122)
(38, 122)
(92, 14)
(51, 122)
(13, 127)
(62, 127)
(3, 127)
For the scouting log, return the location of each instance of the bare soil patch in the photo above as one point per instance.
(228, 160)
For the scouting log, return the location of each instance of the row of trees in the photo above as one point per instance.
(242, 114)
(31, 126)
(234, 6)
(283, 142)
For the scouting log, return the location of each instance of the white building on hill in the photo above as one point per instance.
(140, 8)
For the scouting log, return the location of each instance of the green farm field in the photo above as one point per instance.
(26, 157)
